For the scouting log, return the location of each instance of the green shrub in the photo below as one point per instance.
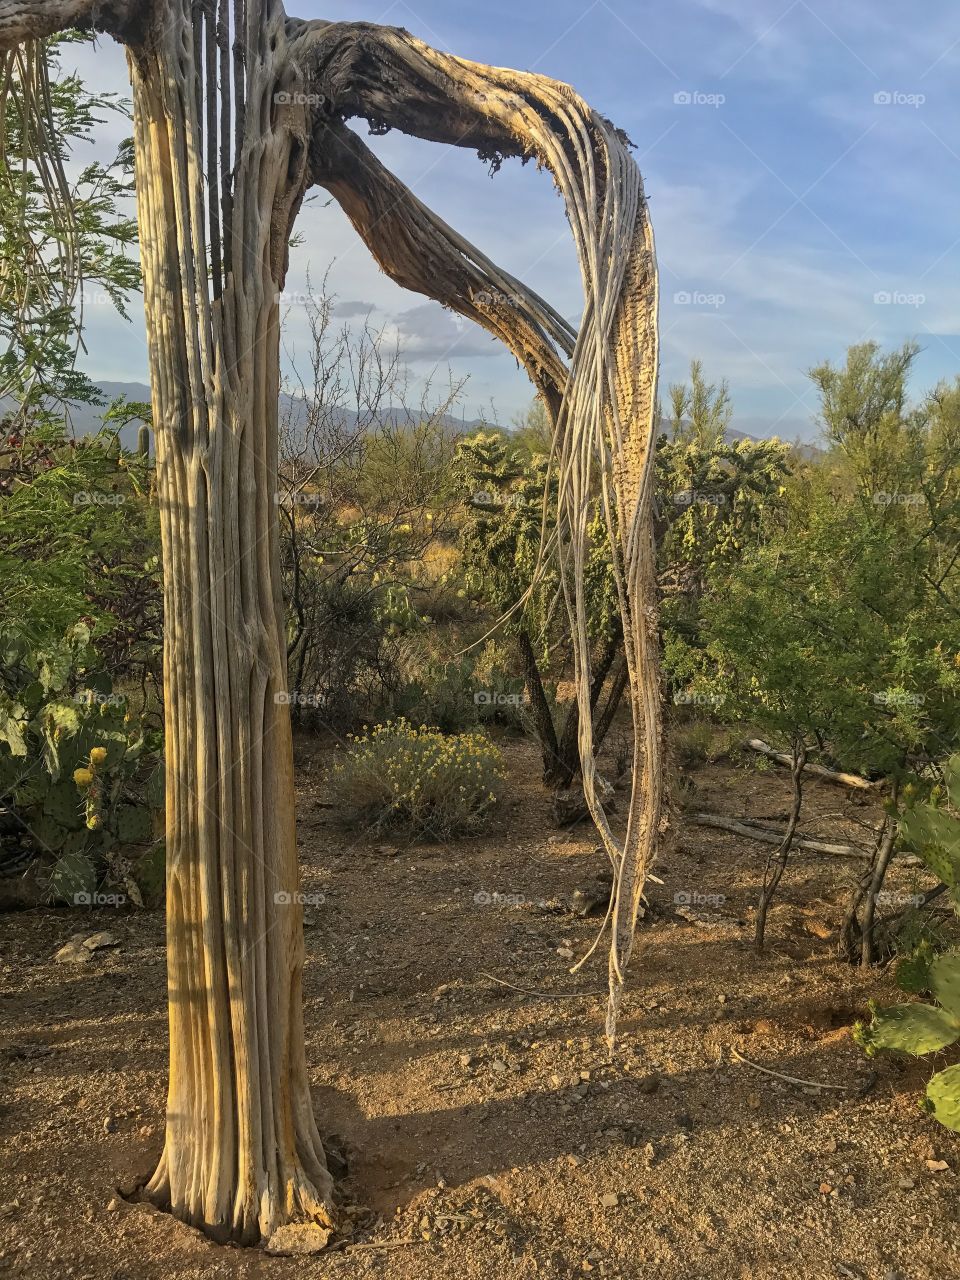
(80, 772)
(697, 742)
(401, 776)
(458, 695)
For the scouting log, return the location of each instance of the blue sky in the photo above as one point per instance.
(801, 160)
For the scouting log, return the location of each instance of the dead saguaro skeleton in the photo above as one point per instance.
(237, 111)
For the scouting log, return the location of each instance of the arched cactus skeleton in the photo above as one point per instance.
(237, 111)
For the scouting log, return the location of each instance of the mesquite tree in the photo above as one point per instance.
(238, 109)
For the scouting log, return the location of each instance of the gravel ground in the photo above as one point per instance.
(484, 1132)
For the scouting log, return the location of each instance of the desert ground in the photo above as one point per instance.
(460, 1071)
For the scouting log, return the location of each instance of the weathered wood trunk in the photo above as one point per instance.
(242, 1152)
(226, 141)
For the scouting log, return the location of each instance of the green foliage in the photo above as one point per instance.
(74, 762)
(402, 776)
(509, 499)
(365, 506)
(839, 628)
(79, 540)
(698, 741)
(918, 1029)
(713, 494)
(932, 829)
(60, 238)
(458, 694)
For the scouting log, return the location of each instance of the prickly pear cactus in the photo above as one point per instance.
(924, 1028)
(78, 769)
(932, 830)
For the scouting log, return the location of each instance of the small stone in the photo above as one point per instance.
(113, 1205)
(575, 1160)
(109, 1124)
(98, 941)
(564, 953)
(73, 951)
(906, 1184)
(721, 999)
(467, 1060)
(298, 1239)
(610, 1200)
(826, 1189)
(584, 1075)
(650, 1153)
(498, 1065)
(937, 1166)
(388, 850)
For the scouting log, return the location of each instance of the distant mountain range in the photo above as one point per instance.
(87, 419)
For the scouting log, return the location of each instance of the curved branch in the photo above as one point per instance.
(604, 421)
(22, 20)
(418, 251)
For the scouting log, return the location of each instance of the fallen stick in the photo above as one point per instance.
(770, 835)
(819, 770)
(807, 1084)
(544, 995)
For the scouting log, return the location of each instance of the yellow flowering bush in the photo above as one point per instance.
(400, 775)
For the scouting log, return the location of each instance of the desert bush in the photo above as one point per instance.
(80, 774)
(455, 695)
(402, 776)
(80, 539)
(700, 741)
(365, 509)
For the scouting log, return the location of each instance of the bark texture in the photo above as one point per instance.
(219, 180)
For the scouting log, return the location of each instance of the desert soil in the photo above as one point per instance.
(485, 1134)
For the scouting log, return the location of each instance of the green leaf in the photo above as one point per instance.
(134, 825)
(73, 878)
(943, 1093)
(951, 780)
(55, 668)
(156, 788)
(935, 835)
(913, 972)
(63, 805)
(908, 1028)
(12, 726)
(47, 832)
(945, 981)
